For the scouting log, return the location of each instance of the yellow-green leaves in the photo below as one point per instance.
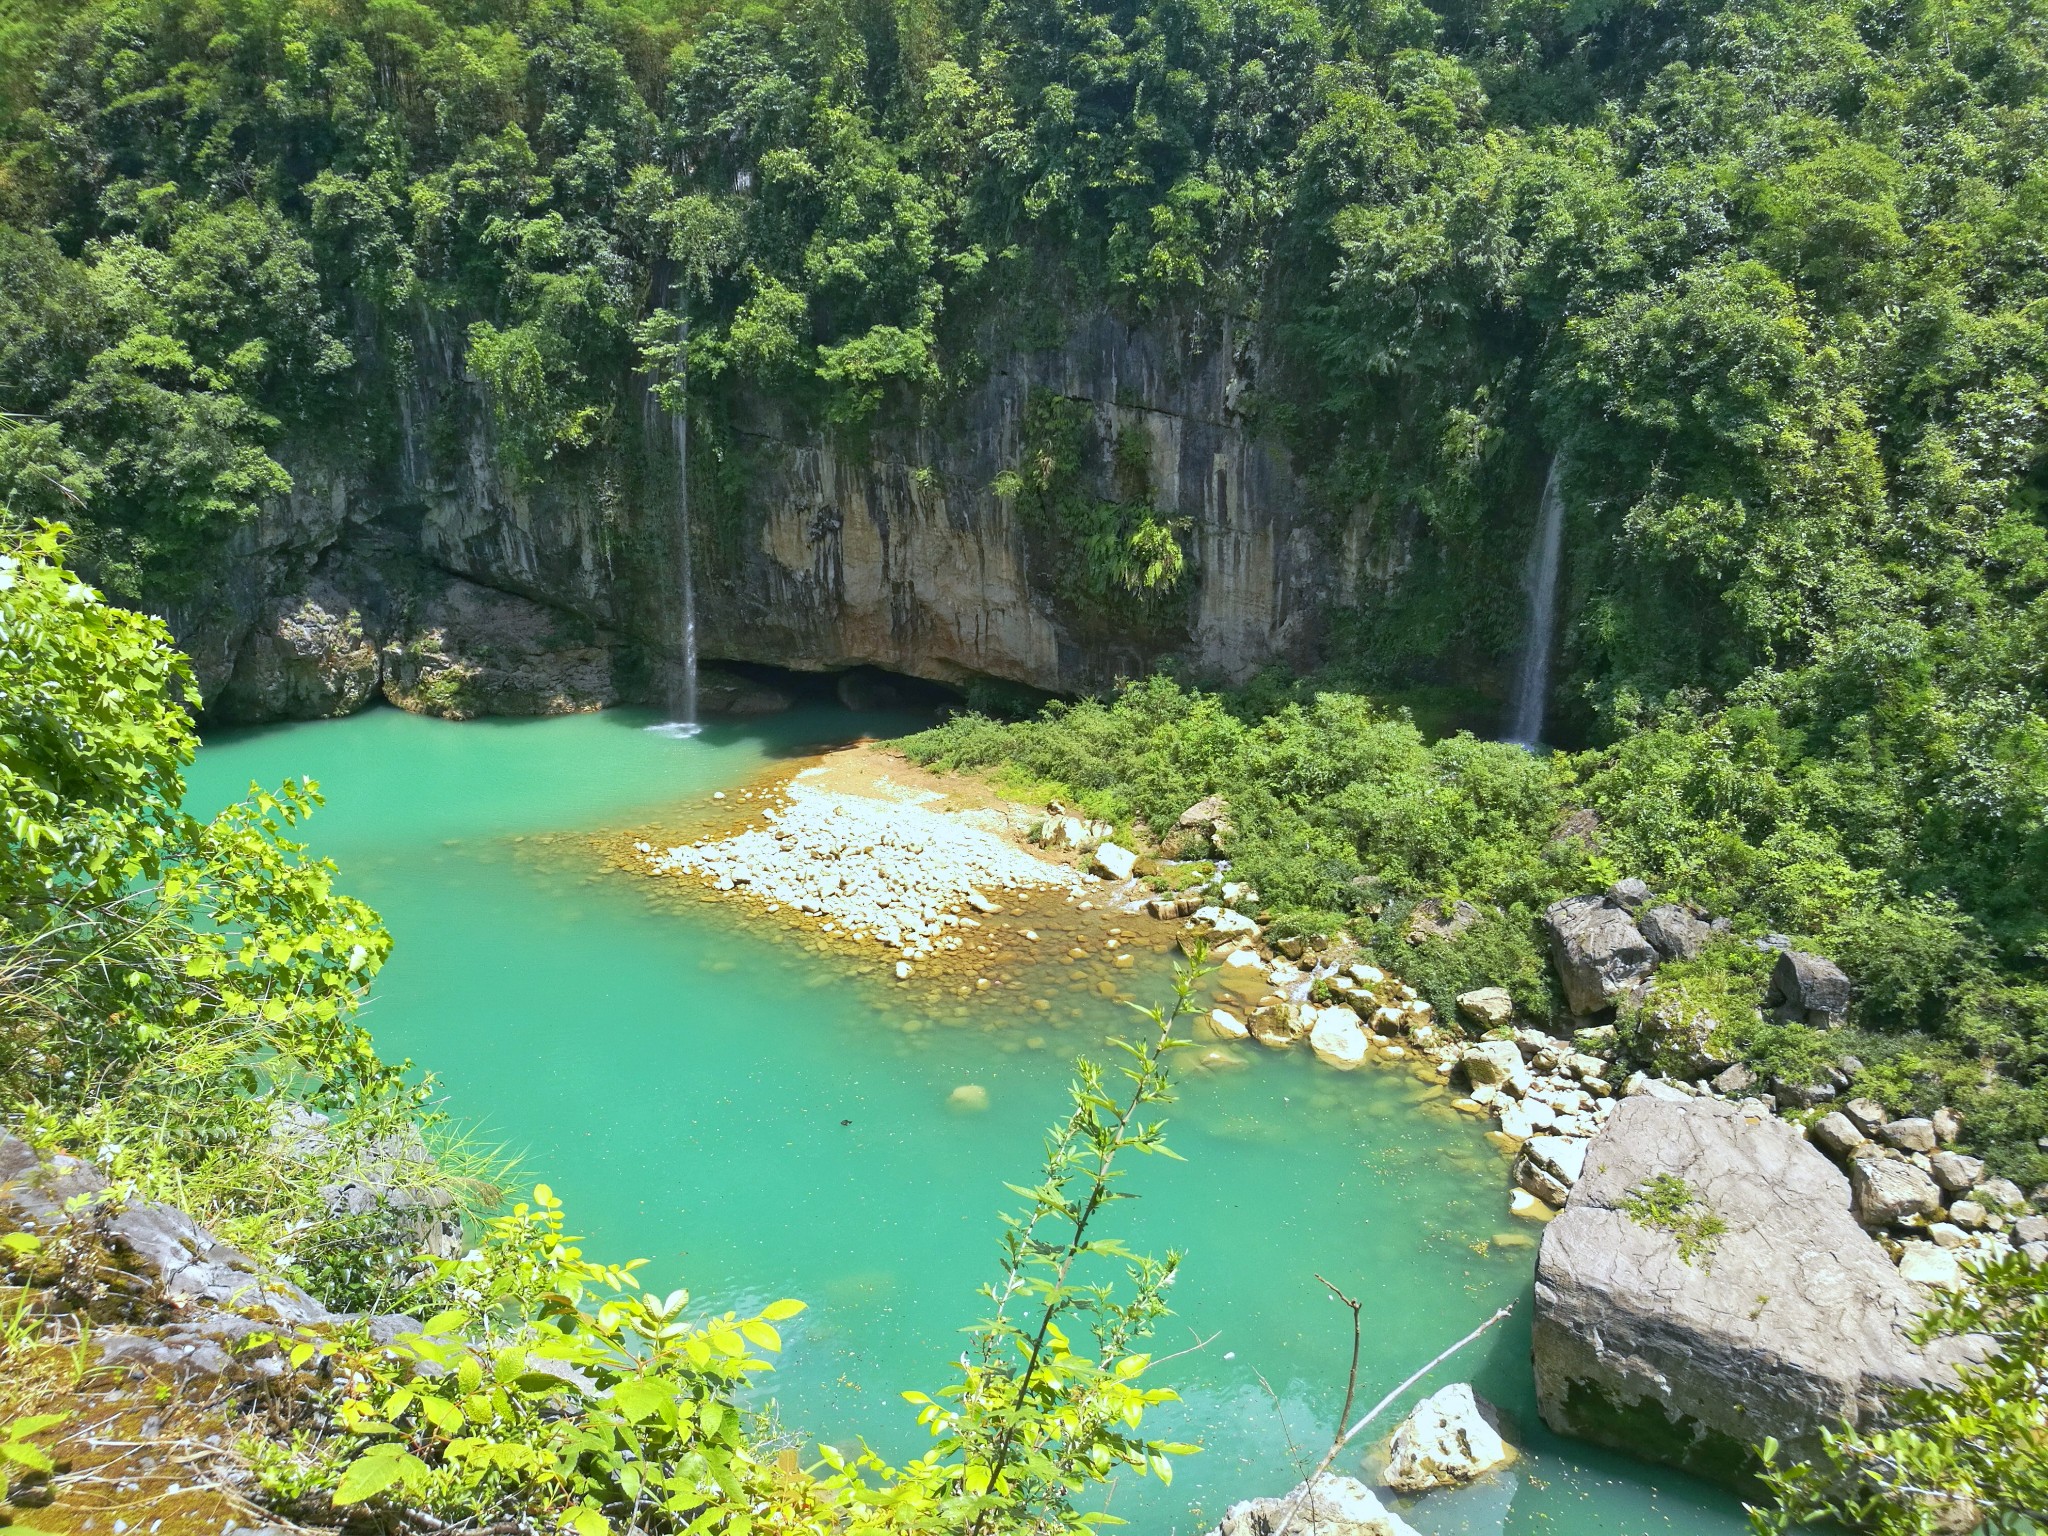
(376, 1470)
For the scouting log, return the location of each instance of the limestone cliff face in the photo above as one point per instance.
(813, 550)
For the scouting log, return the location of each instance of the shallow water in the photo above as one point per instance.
(706, 1090)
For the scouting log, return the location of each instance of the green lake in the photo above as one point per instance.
(753, 1117)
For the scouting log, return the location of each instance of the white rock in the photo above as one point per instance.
(903, 970)
(1446, 1441)
(1925, 1264)
(1526, 1118)
(1488, 1007)
(1564, 1156)
(1115, 862)
(1337, 1038)
(1242, 960)
(1492, 1062)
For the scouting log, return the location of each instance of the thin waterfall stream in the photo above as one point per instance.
(683, 693)
(1532, 679)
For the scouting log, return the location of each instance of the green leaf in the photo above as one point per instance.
(369, 1475)
(641, 1398)
(21, 1453)
(442, 1414)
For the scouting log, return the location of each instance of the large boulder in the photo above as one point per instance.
(1334, 1506)
(1449, 1439)
(1677, 933)
(1487, 1007)
(308, 658)
(1337, 1038)
(1806, 989)
(1203, 828)
(1490, 1063)
(1659, 1335)
(1600, 953)
(1885, 1190)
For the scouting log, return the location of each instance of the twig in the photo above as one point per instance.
(1351, 1382)
(1378, 1408)
(1199, 1344)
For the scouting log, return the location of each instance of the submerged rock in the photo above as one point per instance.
(1333, 1506)
(1449, 1439)
(1758, 1308)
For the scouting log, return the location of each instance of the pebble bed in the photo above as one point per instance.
(881, 871)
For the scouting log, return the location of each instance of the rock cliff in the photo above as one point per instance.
(432, 570)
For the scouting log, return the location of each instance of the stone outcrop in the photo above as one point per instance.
(144, 1260)
(1449, 1439)
(1806, 989)
(1333, 1506)
(1600, 954)
(1791, 1319)
(473, 651)
(307, 658)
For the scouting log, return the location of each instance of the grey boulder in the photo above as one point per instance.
(1677, 932)
(1886, 1190)
(1807, 989)
(1913, 1135)
(1791, 1319)
(1599, 952)
(1836, 1134)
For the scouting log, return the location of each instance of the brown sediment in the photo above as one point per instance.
(128, 1452)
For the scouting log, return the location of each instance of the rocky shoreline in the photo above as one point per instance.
(1661, 1197)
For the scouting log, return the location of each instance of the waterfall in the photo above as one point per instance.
(1532, 679)
(683, 689)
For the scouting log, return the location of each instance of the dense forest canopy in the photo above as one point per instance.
(1769, 274)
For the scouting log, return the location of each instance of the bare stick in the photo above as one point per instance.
(1378, 1408)
(1350, 1382)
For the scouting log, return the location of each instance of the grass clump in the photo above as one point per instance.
(1667, 1203)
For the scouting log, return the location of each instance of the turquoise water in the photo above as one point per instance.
(753, 1117)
